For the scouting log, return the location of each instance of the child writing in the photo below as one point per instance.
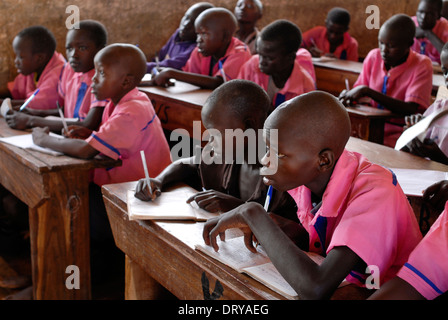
(177, 50)
(431, 29)
(74, 85)
(275, 68)
(39, 67)
(129, 125)
(236, 105)
(344, 202)
(333, 40)
(218, 55)
(247, 13)
(393, 76)
(435, 144)
(419, 279)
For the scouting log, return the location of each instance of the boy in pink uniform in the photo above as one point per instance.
(394, 76)
(247, 13)
(218, 55)
(353, 212)
(39, 66)
(425, 274)
(129, 125)
(333, 40)
(275, 68)
(431, 29)
(74, 85)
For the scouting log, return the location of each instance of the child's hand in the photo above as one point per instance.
(17, 120)
(77, 132)
(214, 201)
(144, 193)
(436, 195)
(351, 97)
(427, 149)
(39, 135)
(163, 78)
(412, 120)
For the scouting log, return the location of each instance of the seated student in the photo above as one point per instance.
(218, 55)
(247, 13)
(344, 202)
(393, 76)
(237, 104)
(39, 66)
(177, 50)
(74, 85)
(431, 29)
(129, 125)
(275, 67)
(435, 144)
(333, 40)
(424, 275)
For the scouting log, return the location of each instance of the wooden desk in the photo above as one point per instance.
(162, 253)
(178, 106)
(331, 75)
(56, 192)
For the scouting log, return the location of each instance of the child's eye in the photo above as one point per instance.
(280, 155)
(82, 48)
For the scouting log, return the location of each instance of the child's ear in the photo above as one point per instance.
(128, 81)
(40, 57)
(326, 160)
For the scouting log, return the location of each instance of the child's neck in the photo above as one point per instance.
(42, 68)
(282, 77)
(400, 62)
(221, 53)
(245, 29)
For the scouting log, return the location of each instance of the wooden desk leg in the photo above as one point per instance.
(141, 286)
(60, 237)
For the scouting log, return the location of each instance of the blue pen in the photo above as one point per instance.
(268, 199)
(28, 100)
(221, 69)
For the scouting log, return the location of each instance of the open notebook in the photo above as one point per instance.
(170, 205)
(234, 254)
(415, 181)
(25, 141)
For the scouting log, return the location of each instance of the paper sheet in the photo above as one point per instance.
(414, 181)
(25, 141)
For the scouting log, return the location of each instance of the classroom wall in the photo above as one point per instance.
(150, 23)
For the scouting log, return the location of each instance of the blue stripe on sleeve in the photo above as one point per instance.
(105, 144)
(421, 275)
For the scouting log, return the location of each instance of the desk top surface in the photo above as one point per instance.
(42, 162)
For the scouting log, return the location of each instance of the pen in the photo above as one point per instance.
(148, 182)
(222, 71)
(28, 100)
(61, 114)
(347, 85)
(268, 198)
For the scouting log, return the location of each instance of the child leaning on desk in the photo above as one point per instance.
(352, 212)
(393, 76)
(425, 274)
(333, 40)
(217, 57)
(74, 84)
(177, 50)
(39, 67)
(129, 124)
(435, 144)
(431, 29)
(275, 67)
(235, 105)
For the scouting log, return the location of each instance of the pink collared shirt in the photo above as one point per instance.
(317, 36)
(24, 86)
(130, 126)
(427, 267)
(305, 60)
(298, 83)
(74, 89)
(424, 46)
(365, 209)
(438, 131)
(236, 55)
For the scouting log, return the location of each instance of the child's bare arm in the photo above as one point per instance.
(308, 279)
(206, 82)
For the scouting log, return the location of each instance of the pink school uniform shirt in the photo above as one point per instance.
(299, 82)
(365, 209)
(74, 89)
(130, 126)
(24, 86)
(424, 46)
(305, 60)
(317, 36)
(438, 131)
(426, 270)
(236, 55)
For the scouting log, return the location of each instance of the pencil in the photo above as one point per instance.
(28, 100)
(61, 114)
(221, 69)
(268, 198)
(347, 85)
(145, 167)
